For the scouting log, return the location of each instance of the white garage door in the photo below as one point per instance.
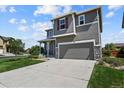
(1, 51)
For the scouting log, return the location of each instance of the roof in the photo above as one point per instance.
(45, 40)
(5, 38)
(49, 29)
(119, 44)
(63, 15)
(97, 8)
(77, 13)
(123, 21)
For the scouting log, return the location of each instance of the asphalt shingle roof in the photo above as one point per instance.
(5, 38)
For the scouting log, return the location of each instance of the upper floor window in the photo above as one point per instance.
(81, 19)
(49, 34)
(62, 23)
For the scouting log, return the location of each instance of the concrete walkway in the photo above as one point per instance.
(63, 73)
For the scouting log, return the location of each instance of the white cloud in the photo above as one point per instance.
(39, 35)
(113, 37)
(47, 9)
(13, 21)
(12, 9)
(112, 9)
(23, 28)
(110, 14)
(39, 26)
(21, 24)
(23, 21)
(3, 8)
(115, 7)
(29, 42)
(52, 10)
(67, 9)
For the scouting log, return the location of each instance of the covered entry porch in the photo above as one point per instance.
(48, 47)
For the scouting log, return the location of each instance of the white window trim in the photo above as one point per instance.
(62, 24)
(74, 42)
(79, 19)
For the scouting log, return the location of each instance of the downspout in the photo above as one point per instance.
(74, 27)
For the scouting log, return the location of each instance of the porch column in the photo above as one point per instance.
(47, 49)
(40, 49)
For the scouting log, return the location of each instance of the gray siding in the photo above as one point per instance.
(64, 39)
(89, 17)
(83, 33)
(68, 30)
(87, 32)
(77, 51)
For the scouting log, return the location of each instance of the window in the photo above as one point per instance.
(81, 19)
(62, 23)
(50, 33)
(1, 47)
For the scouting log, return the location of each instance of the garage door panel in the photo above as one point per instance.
(80, 53)
(77, 51)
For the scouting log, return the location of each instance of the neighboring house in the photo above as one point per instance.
(118, 47)
(75, 36)
(123, 21)
(4, 41)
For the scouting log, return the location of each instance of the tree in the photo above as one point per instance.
(35, 50)
(110, 46)
(121, 52)
(16, 46)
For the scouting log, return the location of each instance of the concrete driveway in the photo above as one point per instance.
(63, 73)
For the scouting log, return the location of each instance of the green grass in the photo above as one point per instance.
(14, 63)
(104, 77)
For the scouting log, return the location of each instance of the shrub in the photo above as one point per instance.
(114, 61)
(101, 62)
(106, 53)
(33, 56)
(121, 53)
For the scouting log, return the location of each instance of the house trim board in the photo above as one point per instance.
(99, 34)
(74, 27)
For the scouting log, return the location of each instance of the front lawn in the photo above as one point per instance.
(14, 63)
(105, 77)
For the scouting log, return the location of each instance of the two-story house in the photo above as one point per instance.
(4, 41)
(75, 36)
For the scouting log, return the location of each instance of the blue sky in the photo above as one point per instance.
(29, 22)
